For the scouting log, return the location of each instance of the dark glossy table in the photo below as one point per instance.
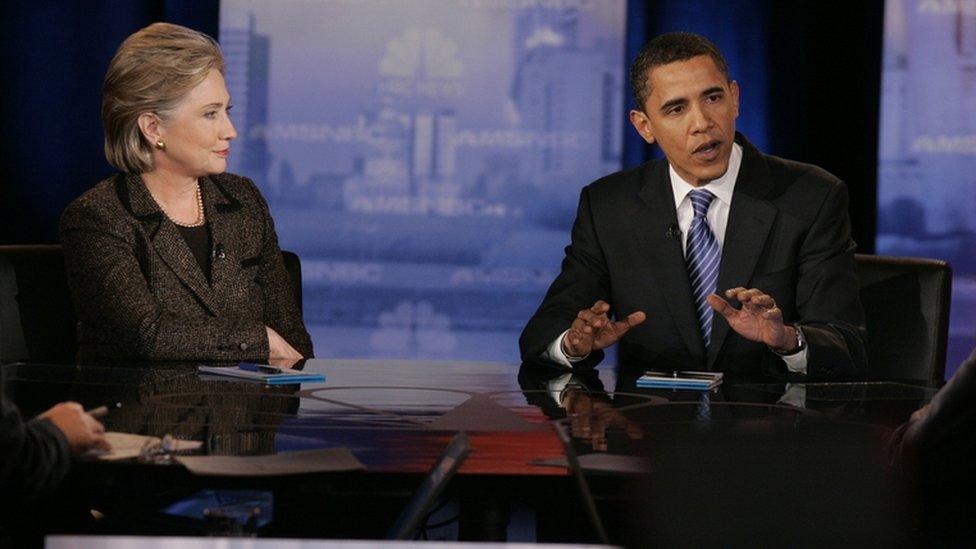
(396, 417)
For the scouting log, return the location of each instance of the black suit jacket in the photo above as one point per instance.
(788, 234)
(139, 292)
(933, 453)
(34, 456)
(938, 442)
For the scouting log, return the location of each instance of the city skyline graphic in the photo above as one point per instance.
(424, 159)
(927, 149)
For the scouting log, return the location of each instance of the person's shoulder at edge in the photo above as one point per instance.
(240, 186)
(233, 181)
(627, 181)
(786, 173)
(802, 190)
(101, 201)
(97, 194)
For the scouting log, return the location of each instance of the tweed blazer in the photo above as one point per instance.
(139, 293)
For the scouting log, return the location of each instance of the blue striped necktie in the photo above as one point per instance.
(702, 257)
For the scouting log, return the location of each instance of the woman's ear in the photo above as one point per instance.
(149, 126)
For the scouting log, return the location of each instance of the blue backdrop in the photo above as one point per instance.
(794, 85)
(927, 152)
(423, 158)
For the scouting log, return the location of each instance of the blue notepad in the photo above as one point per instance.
(270, 375)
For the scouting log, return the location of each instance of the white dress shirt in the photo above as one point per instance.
(718, 220)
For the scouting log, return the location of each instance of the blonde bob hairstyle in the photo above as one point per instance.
(151, 73)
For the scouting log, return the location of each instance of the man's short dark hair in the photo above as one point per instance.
(669, 48)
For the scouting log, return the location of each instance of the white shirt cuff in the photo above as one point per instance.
(795, 395)
(797, 363)
(556, 385)
(555, 353)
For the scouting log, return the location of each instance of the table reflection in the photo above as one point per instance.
(738, 463)
(395, 415)
(599, 419)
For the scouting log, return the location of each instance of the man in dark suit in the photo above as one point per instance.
(652, 245)
(35, 457)
(933, 453)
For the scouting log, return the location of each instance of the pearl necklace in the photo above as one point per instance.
(201, 219)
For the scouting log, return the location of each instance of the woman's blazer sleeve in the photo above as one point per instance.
(281, 312)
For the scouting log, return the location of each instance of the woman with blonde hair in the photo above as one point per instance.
(172, 258)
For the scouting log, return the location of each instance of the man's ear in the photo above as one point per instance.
(734, 89)
(642, 124)
(149, 125)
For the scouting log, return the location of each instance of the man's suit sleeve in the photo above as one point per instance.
(109, 289)
(827, 293)
(280, 310)
(34, 456)
(937, 440)
(583, 280)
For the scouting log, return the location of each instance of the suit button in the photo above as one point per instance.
(242, 346)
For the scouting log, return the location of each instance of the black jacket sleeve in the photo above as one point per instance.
(583, 279)
(34, 456)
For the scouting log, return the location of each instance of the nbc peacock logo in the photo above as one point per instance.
(421, 54)
(421, 62)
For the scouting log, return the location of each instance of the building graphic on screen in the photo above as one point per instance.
(247, 58)
(927, 148)
(429, 202)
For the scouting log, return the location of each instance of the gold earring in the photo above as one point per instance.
(160, 145)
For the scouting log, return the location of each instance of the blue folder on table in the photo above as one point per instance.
(696, 381)
(270, 375)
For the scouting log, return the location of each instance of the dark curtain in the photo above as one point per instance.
(825, 95)
(53, 58)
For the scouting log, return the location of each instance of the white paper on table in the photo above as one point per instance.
(129, 446)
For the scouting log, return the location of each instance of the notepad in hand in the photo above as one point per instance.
(271, 375)
(698, 381)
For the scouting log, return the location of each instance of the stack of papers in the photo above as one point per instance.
(271, 375)
(698, 381)
(130, 446)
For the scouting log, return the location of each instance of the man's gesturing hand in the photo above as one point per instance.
(593, 330)
(759, 319)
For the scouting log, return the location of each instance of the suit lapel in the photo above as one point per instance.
(221, 209)
(750, 219)
(665, 254)
(166, 238)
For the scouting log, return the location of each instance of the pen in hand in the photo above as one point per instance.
(102, 411)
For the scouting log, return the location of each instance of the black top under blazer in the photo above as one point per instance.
(788, 235)
(139, 293)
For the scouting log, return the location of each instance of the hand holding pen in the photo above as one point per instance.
(81, 430)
